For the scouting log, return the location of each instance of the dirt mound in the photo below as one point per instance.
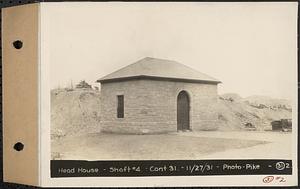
(231, 97)
(74, 112)
(267, 102)
(235, 112)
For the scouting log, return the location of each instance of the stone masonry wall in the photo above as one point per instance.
(151, 106)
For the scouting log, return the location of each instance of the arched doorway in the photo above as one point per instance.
(183, 111)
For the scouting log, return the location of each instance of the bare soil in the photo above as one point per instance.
(143, 147)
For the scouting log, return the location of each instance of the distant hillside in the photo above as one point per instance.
(78, 111)
(234, 112)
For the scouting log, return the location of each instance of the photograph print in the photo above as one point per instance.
(173, 81)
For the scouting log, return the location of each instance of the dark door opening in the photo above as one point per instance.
(183, 111)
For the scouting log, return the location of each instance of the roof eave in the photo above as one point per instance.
(158, 79)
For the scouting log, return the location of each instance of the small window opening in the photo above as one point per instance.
(120, 108)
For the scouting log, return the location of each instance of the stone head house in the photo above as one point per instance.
(156, 96)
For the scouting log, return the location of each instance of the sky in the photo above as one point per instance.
(250, 47)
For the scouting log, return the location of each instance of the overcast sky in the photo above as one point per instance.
(250, 47)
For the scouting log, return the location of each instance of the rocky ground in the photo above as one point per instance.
(235, 112)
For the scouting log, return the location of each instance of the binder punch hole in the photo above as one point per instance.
(18, 44)
(19, 146)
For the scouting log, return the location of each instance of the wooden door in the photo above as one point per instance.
(183, 111)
